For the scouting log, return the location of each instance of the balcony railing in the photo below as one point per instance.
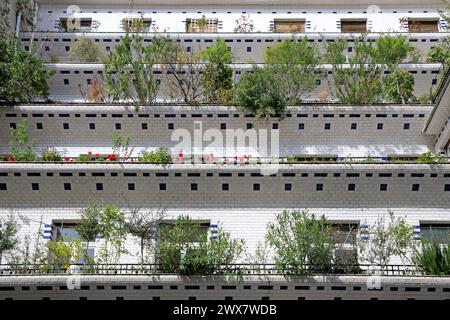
(235, 269)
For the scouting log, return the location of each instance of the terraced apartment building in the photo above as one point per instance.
(353, 163)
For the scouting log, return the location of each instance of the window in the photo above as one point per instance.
(194, 187)
(383, 187)
(92, 126)
(289, 25)
(39, 126)
(415, 187)
(447, 187)
(144, 126)
(12, 126)
(249, 126)
(352, 25)
(256, 187)
(35, 186)
(170, 126)
(423, 25)
(131, 187)
(67, 231)
(223, 126)
(65, 126)
(249, 49)
(353, 126)
(301, 126)
(67, 186)
(225, 187)
(275, 126)
(436, 231)
(3, 187)
(351, 187)
(118, 126)
(99, 186)
(344, 233)
(66, 82)
(327, 126)
(201, 25)
(288, 187)
(70, 24)
(380, 126)
(406, 126)
(319, 187)
(162, 187)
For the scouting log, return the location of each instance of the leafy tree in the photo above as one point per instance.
(23, 77)
(22, 148)
(440, 53)
(85, 50)
(295, 66)
(258, 93)
(113, 232)
(145, 226)
(399, 86)
(218, 75)
(8, 235)
(5, 28)
(357, 80)
(89, 226)
(300, 239)
(184, 248)
(185, 77)
(129, 70)
(160, 156)
(391, 52)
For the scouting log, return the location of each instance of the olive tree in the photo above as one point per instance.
(295, 66)
(8, 235)
(144, 224)
(301, 242)
(388, 237)
(129, 70)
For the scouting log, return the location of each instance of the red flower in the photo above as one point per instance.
(66, 159)
(97, 155)
(11, 159)
(180, 155)
(90, 153)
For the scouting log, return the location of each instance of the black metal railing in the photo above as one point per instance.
(234, 269)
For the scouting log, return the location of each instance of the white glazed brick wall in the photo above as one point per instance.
(223, 288)
(243, 212)
(340, 140)
(246, 47)
(172, 18)
(425, 76)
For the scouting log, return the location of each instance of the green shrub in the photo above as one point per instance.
(434, 258)
(22, 148)
(160, 156)
(429, 157)
(259, 94)
(302, 243)
(51, 155)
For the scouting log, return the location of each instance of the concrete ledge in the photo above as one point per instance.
(172, 287)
